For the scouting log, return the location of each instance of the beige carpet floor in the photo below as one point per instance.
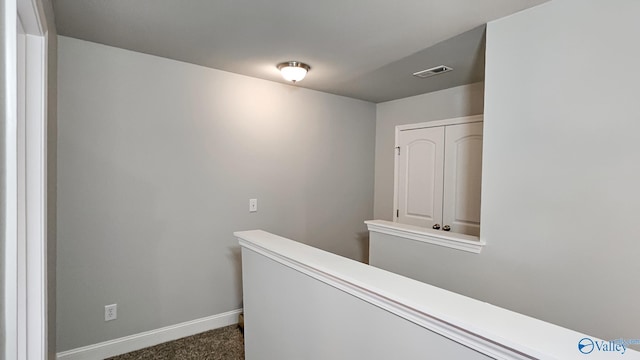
(226, 343)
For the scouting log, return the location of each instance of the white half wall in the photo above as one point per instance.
(290, 315)
(157, 161)
(305, 303)
(445, 104)
(560, 196)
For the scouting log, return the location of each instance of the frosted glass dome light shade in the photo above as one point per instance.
(293, 70)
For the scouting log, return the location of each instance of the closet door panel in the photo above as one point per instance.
(420, 176)
(463, 178)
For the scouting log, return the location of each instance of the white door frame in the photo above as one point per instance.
(25, 262)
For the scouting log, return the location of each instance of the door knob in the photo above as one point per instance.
(436, 227)
(446, 228)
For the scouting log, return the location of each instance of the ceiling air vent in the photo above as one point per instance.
(433, 71)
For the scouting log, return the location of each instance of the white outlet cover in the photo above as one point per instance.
(253, 205)
(110, 312)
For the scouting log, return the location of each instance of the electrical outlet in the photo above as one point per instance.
(253, 205)
(110, 312)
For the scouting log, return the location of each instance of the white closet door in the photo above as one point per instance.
(420, 174)
(462, 178)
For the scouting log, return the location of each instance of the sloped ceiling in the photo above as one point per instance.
(365, 49)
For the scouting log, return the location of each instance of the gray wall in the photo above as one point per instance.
(450, 103)
(157, 160)
(560, 195)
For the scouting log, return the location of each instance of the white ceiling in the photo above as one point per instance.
(364, 49)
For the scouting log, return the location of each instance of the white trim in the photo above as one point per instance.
(488, 329)
(11, 288)
(438, 123)
(26, 154)
(36, 197)
(462, 242)
(396, 186)
(145, 339)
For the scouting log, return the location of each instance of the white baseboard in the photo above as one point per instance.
(139, 341)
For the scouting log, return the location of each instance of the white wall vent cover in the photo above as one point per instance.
(433, 71)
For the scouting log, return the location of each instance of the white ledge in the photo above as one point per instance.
(436, 237)
(488, 329)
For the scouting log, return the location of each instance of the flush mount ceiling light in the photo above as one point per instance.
(293, 70)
